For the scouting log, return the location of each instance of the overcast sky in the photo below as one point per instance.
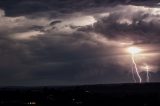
(65, 42)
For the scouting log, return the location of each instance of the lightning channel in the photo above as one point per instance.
(147, 71)
(133, 75)
(136, 69)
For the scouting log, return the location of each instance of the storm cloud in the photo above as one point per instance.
(63, 42)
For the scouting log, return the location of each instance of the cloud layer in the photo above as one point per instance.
(68, 42)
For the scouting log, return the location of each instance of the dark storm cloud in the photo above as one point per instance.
(142, 26)
(55, 22)
(69, 42)
(19, 7)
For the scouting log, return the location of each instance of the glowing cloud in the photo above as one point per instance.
(26, 35)
(134, 50)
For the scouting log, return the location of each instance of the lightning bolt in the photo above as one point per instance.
(136, 69)
(147, 71)
(133, 74)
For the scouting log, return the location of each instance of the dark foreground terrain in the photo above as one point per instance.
(100, 95)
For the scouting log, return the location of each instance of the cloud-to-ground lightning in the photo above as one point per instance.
(136, 69)
(133, 75)
(133, 51)
(147, 71)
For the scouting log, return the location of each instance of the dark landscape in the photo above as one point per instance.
(147, 94)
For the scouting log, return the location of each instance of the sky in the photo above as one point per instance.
(76, 42)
